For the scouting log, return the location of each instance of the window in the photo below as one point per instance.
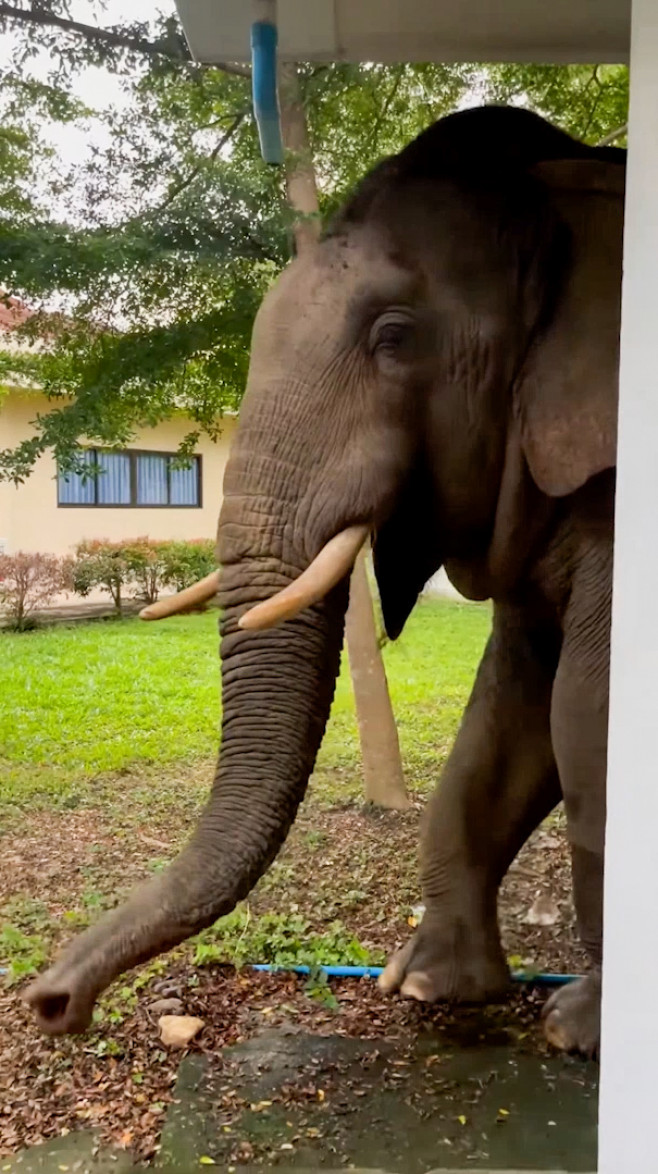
(132, 479)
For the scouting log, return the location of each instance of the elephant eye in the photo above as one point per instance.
(390, 337)
(390, 333)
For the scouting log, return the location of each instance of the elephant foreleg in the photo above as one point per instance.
(500, 781)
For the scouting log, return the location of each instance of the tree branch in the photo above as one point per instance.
(113, 37)
(185, 183)
(613, 136)
(372, 137)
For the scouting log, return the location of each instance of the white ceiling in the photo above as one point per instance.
(560, 31)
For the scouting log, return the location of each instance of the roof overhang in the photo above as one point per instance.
(556, 31)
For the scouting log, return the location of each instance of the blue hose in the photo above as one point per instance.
(375, 971)
(263, 84)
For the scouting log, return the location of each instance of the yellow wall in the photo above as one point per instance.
(31, 520)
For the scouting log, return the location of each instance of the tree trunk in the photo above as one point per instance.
(380, 748)
(301, 188)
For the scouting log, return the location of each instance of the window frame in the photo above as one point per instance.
(133, 504)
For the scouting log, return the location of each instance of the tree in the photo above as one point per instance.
(589, 102)
(165, 240)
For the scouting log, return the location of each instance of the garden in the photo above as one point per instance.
(109, 731)
(134, 570)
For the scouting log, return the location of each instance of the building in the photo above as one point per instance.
(138, 492)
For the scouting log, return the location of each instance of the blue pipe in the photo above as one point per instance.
(263, 84)
(375, 971)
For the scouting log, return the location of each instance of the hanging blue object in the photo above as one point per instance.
(263, 82)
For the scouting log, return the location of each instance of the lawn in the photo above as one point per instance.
(79, 702)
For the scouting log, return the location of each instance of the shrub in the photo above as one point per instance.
(186, 562)
(140, 566)
(29, 581)
(146, 564)
(104, 565)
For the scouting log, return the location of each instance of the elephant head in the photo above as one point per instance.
(438, 371)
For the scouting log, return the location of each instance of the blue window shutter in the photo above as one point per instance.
(151, 479)
(113, 478)
(185, 484)
(72, 489)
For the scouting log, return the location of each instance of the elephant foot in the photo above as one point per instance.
(572, 1016)
(456, 967)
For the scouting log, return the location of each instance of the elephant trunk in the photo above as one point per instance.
(277, 688)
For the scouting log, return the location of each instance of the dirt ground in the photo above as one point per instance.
(341, 862)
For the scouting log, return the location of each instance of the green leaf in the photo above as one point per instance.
(160, 244)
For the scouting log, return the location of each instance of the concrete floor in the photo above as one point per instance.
(299, 1103)
(310, 1103)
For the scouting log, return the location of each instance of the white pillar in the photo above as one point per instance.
(629, 1061)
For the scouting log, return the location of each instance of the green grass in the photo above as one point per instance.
(81, 706)
(430, 671)
(79, 702)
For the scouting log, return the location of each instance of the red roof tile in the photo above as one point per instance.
(13, 313)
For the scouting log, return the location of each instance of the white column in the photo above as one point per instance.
(628, 1110)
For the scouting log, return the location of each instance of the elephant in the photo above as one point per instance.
(437, 375)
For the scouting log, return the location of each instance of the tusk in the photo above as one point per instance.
(327, 569)
(185, 600)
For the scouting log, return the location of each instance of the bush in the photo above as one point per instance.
(146, 564)
(29, 581)
(141, 566)
(186, 562)
(104, 565)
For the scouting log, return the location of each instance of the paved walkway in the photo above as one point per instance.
(299, 1103)
(80, 612)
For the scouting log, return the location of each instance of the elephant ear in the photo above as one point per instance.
(406, 551)
(566, 395)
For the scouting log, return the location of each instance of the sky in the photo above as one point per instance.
(95, 87)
